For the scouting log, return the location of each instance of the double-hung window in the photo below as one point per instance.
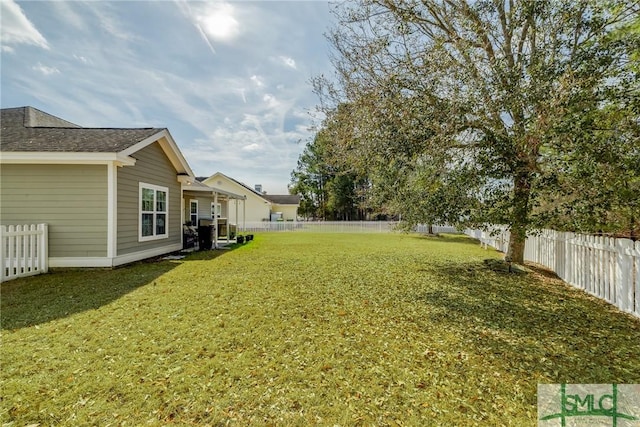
(153, 212)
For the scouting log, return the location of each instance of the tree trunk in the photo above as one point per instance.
(520, 217)
(515, 253)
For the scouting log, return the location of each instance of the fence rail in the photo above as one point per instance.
(23, 250)
(605, 267)
(319, 226)
(334, 227)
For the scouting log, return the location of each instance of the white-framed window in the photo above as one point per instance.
(216, 209)
(193, 212)
(154, 214)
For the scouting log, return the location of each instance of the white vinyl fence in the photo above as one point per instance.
(606, 267)
(335, 227)
(320, 226)
(23, 251)
(424, 228)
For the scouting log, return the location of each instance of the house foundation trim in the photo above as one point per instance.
(63, 262)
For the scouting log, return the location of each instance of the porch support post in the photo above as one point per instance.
(182, 214)
(215, 220)
(227, 219)
(237, 222)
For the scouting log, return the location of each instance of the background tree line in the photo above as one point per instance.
(328, 192)
(524, 113)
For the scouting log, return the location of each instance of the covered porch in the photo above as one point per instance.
(205, 219)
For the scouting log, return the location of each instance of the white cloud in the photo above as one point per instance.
(16, 27)
(111, 26)
(69, 13)
(289, 62)
(271, 101)
(257, 80)
(252, 147)
(243, 95)
(81, 58)
(47, 71)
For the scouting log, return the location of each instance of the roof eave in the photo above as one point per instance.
(202, 188)
(65, 157)
(169, 146)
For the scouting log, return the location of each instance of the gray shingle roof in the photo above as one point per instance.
(29, 129)
(284, 199)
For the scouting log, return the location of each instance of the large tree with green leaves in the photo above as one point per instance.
(327, 191)
(473, 100)
(310, 177)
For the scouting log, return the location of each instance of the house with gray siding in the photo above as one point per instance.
(110, 196)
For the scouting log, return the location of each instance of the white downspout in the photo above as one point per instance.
(112, 211)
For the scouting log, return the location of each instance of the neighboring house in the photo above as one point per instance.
(258, 206)
(284, 206)
(109, 195)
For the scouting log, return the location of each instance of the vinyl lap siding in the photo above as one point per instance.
(152, 167)
(256, 209)
(72, 199)
(204, 206)
(288, 212)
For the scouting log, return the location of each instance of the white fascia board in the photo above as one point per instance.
(229, 194)
(211, 192)
(67, 158)
(170, 148)
(202, 188)
(196, 189)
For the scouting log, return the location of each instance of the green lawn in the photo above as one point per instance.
(304, 329)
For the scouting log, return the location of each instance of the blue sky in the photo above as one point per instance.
(230, 80)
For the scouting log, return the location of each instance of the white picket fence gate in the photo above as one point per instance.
(23, 250)
(605, 267)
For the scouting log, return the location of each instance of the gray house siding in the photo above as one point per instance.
(72, 199)
(204, 206)
(152, 167)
